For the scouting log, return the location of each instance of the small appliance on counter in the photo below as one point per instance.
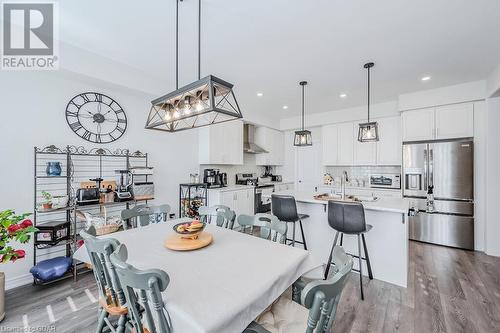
(214, 178)
(123, 188)
(385, 180)
(276, 178)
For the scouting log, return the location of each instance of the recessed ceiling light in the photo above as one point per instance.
(285, 107)
(426, 78)
(343, 95)
(259, 94)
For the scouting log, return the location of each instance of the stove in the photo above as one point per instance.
(247, 179)
(261, 205)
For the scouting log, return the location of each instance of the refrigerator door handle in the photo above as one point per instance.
(425, 175)
(431, 167)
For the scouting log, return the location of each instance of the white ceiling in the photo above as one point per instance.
(268, 46)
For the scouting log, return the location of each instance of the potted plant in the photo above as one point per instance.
(12, 228)
(47, 200)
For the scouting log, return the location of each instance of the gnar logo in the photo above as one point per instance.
(30, 40)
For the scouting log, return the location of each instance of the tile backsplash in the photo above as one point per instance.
(248, 166)
(359, 176)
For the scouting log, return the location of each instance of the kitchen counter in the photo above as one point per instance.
(387, 241)
(395, 205)
(231, 188)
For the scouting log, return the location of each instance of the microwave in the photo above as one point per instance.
(385, 180)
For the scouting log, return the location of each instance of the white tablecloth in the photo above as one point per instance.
(220, 288)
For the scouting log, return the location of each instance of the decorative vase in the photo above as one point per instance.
(53, 169)
(2, 296)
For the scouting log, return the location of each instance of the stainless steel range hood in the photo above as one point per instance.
(249, 145)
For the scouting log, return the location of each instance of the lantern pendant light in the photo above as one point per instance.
(368, 132)
(303, 137)
(207, 101)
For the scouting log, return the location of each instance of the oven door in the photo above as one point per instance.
(262, 200)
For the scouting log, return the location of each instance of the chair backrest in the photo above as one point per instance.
(322, 296)
(99, 251)
(284, 207)
(160, 213)
(348, 217)
(270, 227)
(138, 215)
(222, 216)
(143, 293)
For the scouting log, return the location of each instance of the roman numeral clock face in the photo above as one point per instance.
(96, 117)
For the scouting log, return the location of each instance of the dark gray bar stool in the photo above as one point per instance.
(285, 209)
(349, 218)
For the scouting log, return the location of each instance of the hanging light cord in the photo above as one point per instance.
(303, 88)
(177, 44)
(199, 39)
(368, 94)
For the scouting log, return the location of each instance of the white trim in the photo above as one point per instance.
(18, 281)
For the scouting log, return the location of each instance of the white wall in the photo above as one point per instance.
(465, 92)
(33, 114)
(493, 180)
(493, 83)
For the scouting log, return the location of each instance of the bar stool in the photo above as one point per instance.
(284, 208)
(349, 218)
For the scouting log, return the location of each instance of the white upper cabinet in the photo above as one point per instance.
(455, 121)
(365, 153)
(418, 125)
(345, 144)
(272, 141)
(443, 122)
(389, 144)
(330, 138)
(221, 143)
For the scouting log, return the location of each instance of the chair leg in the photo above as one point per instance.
(341, 239)
(101, 321)
(360, 268)
(121, 324)
(329, 263)
(370, 274)
(293, 236)
(303, 237)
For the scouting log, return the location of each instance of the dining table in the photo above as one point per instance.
(220, 288)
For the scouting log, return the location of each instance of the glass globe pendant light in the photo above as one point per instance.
(302, 137)
(368, 132)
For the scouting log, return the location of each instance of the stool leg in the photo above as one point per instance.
(370, 274)
(303, 237)
(293, 236)
(360, 268)
(329, 263)
(341, 239)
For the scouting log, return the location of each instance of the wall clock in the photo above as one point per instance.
(96, 117)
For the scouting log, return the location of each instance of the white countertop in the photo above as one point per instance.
(363, 188)
(231, 188)
(395, 205)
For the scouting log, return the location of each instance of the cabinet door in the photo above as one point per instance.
(278, 152)
(233, 142)
(228, 199)
(330, 137)
(389, 144)
(418, 125)
(345, 144)
(261, 137)
(365, 153)
(455, 121)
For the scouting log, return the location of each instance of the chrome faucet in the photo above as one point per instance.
(345, 179)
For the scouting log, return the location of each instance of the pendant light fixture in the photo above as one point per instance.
(207, 101)
(302, 137)
(368, 132)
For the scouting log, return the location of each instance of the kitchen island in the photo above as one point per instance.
(387, 242)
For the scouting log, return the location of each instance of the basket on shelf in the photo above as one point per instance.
(106, 229)
(103, 224)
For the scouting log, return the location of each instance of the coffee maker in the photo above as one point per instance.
(214, 178)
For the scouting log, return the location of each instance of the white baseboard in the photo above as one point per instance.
(18, 281)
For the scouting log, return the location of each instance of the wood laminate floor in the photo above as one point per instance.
(449, 291)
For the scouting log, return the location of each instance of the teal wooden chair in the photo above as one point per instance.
(314, 303)
(159, 213)
(222, 216)
(137, 216)
(143, 294)
(270, 227)
(111, 297)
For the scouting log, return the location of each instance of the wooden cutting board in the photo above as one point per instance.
(176, 243)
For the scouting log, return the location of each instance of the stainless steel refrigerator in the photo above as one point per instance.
(449, 167)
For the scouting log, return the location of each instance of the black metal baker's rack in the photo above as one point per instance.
(78, 164)
(191, 197)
